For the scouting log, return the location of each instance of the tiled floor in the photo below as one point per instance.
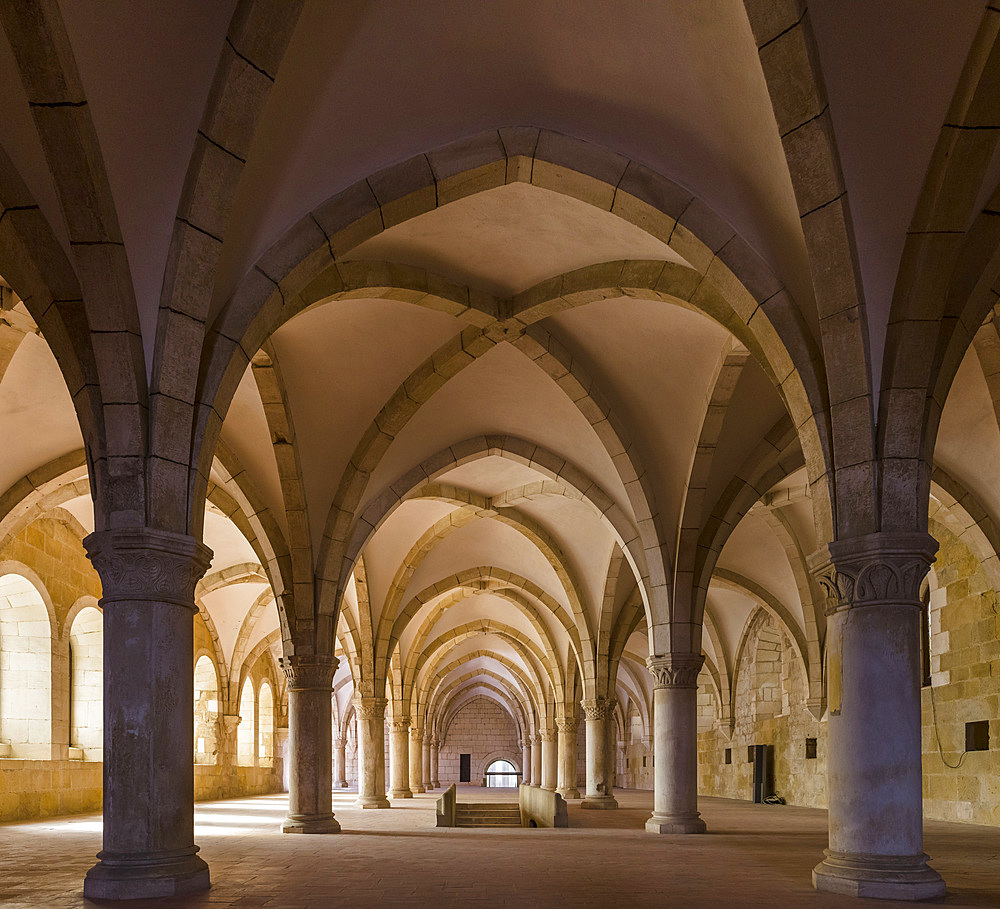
(753, 856)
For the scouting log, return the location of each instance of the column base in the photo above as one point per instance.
(675, 824)
(573, 793)
(885, 877)
(372, 801)
(308, 824)
(417, 789)
(133, 877)
(435, 784)
(599, 802)
(400, 794)
(341, 785)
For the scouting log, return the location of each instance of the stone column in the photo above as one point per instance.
(310, 744)
(536, 760)
(400, 759)
(600, 787)
(435, 779)
(873, 690)
(675, 743)
(416, 771)
(426, 755)
(526, 760)
(567, 758)
(340, 763)
(148, 579)
(371, 757)
(549, 760)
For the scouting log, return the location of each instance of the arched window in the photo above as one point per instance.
(206, 712)
(265, 725)
(25, 671)
(245, 737)
(501, 774)
(86, 681)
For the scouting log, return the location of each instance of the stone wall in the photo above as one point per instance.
(965, 664)
(33, 789)
(481, 729)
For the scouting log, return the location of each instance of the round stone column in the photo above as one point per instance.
(148, 579)
(536, 760)
(425, 752)
(400, 759)
(310, 744)
(567, 758)
(675, 743)
(340, 763)
(874, 776)
(550, 760)
(435, 780)
(417, 760)
(371, 752)
(599, 771)
(526, 760)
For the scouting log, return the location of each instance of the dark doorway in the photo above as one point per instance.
(465, 768)
(763, 772)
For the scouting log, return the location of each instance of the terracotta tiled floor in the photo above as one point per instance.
(753, 856)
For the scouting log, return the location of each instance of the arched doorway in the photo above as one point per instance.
(501, 775)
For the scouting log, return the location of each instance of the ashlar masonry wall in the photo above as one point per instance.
(484, 730)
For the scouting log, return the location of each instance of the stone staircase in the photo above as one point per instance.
(487, 814)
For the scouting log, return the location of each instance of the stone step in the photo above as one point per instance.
(487, 814)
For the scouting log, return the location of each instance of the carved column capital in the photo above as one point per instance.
(675, 670)
(370, 708)
(599, 708)
(143, 564)
(548, 735)
(339, 742)
(873, 570)
(399, 726)
(309, 672)
(417, 734)
(568, 726)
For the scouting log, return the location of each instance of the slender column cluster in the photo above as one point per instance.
(371, 752)
(567, 729)
(675, 743)
(310, 744)
(600, 771)
(873, 761)
(148, 579)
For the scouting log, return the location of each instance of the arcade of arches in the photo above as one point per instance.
(592, 395)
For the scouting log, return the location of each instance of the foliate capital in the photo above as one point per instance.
(416, 733)
(339, 742)
(400, 726)
(599, 708)
(568, 726)
(370, 708)
(142, 564)
(873, 570)
(675, 670)
(309, 672)
(548, 735)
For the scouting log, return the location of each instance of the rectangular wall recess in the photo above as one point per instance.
(810, 749)
(977, 736)
(729, 755)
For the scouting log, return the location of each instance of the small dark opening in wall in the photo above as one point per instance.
(628, 763)
(977, 736)
(644, 760)
(729, 755)
(810, 749)
(749, 754)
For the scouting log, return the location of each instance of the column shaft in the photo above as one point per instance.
(371, 752)
(400, 759)
(873, 762)
(310, 744)
(425, 752)
(567, 758)
(600, 785)
(549, 760)
(536, 760)
(435, 779)
(526, 760)
(340, 763)
(417, 761)
(148, 579)
(675, 744)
